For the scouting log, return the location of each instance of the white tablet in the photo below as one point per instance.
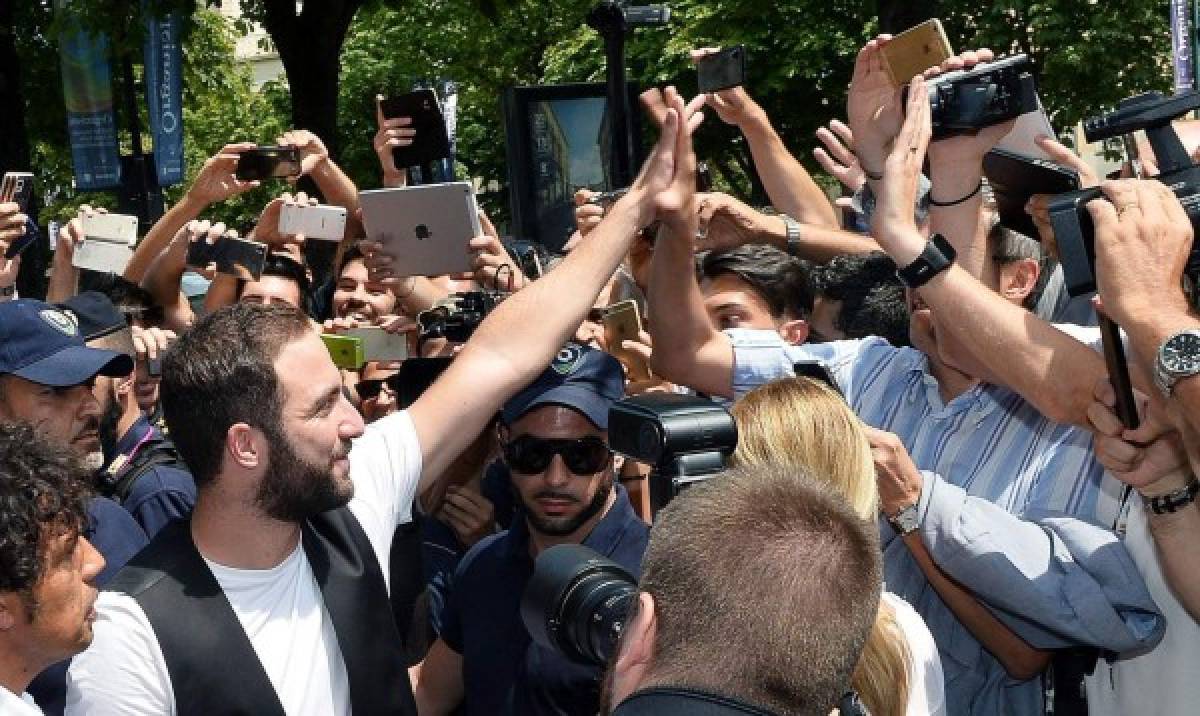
(425, 229)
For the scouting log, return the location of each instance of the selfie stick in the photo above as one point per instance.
(613, 19)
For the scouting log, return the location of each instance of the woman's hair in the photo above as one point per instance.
(801, 422)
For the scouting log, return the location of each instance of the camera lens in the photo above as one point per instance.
(576, 603)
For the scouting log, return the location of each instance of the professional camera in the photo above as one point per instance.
(965, 101)
(684, 437)
(457, 317)
(1073, 229)
(576, 603)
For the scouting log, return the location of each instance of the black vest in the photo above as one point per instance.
(213, 667)
(678, 701)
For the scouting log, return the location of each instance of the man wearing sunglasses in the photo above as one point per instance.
(554, 437)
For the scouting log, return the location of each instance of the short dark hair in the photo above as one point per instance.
(777, 617)
(220, 373)
(285, 266)
(133, 301)
(871, 295)
(1008, 246)
(43, 495)
(783, 281)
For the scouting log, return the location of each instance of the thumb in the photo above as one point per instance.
(379, 120)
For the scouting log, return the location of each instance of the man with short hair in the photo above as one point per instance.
(554, 437)
(770, 622)
(48, 569)
(757, 286)
(858, 295)
(283, 280)
(274, 597)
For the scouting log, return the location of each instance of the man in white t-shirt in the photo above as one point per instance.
(273, 599)
(48, 569)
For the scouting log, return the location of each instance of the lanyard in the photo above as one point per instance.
(121, 461)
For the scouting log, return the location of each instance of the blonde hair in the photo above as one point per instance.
(803, 423)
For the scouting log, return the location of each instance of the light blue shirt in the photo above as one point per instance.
(1007, 507)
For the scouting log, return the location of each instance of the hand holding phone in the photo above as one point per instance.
(429, 140)
(268, 163)
(16, 188)
(721, 70)
(623, 322)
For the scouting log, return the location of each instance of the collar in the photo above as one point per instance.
(128, 445)
(666, 701)
(603, 538)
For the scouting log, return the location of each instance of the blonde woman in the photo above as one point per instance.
(803, 422)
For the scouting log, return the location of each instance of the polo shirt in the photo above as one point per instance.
(504, 672)
(164, 492)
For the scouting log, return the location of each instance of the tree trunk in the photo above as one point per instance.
(14, 149)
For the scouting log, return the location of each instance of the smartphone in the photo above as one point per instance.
(623, 322)
(722, 70)
(327, 223)
(430, 141)
(268, 163)
(241, 258)
(703, 178)
(108, 243)
(915, 50)
(346, 352)
(154, 368)
(1014, 178)
(379, 345)
(817, 371)
(17, 187)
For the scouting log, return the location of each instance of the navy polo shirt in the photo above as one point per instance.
(504, 672)
(164, 492)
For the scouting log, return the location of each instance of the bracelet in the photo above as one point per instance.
(1174, 500)
(791, 234)
(978, 188)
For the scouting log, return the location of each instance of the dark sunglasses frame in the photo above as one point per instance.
(529, 455)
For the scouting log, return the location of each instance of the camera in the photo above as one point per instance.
(1073, 229)
(965, 101)
(457, 317)
(577, 602)
(686, 439)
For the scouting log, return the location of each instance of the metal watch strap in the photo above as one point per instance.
(792, 230)
(906, 520)
(1175, 500)
(1165, 378)
(937, 257)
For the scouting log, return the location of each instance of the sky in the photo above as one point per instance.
(580, 120)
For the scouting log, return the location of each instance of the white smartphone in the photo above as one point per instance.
(378, 344)
(324, 222)
(108, 243)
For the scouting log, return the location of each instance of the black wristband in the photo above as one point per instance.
(937, 257)
(1173, 501)
(978, 188)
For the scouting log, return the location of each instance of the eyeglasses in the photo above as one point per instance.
(370, 389)
(531, 456)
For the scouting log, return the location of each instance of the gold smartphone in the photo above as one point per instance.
(623, 322)
(915, 50)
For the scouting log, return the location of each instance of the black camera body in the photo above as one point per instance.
(1073, 229)
(966, 101)
(685, 438)
(456, 318)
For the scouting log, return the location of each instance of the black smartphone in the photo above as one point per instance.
(722, 70)
(703, 178)
(268, 163)
(154, 367)
(241, 258)
(17, 187)
(415, 376)
(817, 371)
(1015, 177)
(430, 141)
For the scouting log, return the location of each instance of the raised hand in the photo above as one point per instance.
(391, 133)
(837, 158)
(494, 268)
(312, 150)
(216, 180)
(587, 216)
(267, 229)
(668, 178)
(471, 515)
(873, 106)
(726, 223)
(893, 222)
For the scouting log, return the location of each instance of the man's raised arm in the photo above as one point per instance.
(521, 336)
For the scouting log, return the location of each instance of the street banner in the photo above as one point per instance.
(87, 91)
(1181, 46)
(164, 95)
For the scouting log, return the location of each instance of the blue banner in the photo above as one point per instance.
(1181, 46)
(87, 91)
(164, 93)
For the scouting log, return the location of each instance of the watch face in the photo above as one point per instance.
(1181, 354)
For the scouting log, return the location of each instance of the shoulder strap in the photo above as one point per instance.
(157, 452)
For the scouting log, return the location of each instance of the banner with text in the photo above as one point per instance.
(164, 94)
(87, 91)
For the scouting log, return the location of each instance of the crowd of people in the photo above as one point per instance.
(200, 513)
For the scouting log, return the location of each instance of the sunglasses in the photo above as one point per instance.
(370, 389)
(531, 456)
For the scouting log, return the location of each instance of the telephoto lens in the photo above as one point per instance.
(577, 603)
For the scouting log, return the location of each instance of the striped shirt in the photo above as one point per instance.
(992, 465)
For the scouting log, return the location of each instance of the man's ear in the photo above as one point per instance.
(246, 446)
(635, 655)
(794, 332)
(1018, 279)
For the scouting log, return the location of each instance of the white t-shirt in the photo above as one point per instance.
(1161, 682)
(926, 684)
(281, 609)
(13, 705)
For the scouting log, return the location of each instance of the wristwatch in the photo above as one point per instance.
(906, 520)
(937, 257)
(792, 229)
(1178, 358)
